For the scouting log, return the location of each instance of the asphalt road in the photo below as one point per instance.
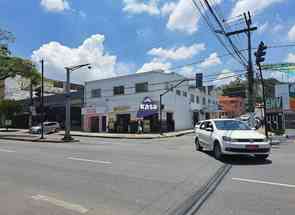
(101, 176)
(257, 188)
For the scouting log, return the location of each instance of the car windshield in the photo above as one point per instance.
(231, 125)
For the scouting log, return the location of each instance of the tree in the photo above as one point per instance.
(11, 66)
(8, 108)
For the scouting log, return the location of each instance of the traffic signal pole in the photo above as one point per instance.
(259, 59)
(264, 101)
(42, 99)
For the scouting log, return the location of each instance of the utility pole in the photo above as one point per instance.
(31, 105)
(251, 98)
(67, 137)
(248, 31)
(42, 99)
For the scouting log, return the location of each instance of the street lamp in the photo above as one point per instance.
(67, 137)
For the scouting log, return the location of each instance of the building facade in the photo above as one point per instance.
(231, 106)
(18, 89)
(119, 104)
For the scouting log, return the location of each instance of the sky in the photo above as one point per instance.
(119, 37)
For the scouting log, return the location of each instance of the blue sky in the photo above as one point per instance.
(127, 36)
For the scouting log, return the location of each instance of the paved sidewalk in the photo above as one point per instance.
(24, 135)
(131, 136)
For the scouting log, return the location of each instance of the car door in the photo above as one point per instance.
(201, 133)
(208, 135)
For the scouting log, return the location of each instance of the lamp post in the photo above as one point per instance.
(67, 137)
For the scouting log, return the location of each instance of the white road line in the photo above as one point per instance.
(263, 182)
(91, 161)
(60, 203)
(6, 150)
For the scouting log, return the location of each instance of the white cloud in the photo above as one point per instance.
(254, 6)
(263, 28)
(291, 34)
(138, 7)
(212, 60)
(58, 56)
(55, 5)
(155, 64)
(291, 58)
(167, 8)
(185, 17)
(180, 53)
(225, 77)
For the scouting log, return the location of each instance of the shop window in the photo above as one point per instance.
(141, 87)
(119, 90)
(178, 92)
(96, 93)
(192, 98)
(184, 94)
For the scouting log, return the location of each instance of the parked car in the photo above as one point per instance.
(49, 127)
(231, 137)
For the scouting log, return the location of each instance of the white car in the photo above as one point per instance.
(197, 125)
(231, 137)
(49, 127)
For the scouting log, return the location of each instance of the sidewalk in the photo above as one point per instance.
(24, 135)
(131, 136)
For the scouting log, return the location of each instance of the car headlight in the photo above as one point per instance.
(225, 138)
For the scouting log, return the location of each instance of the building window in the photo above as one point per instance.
(209, 101)
(192, 98)
(178, 92)
(141, 87)
(96, 93)
(204, 101)
(184, 94)
(119, 90)
(197, 99)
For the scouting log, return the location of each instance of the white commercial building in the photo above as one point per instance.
(118, 104)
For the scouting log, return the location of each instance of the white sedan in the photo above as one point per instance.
(231, 137)
(49, 127)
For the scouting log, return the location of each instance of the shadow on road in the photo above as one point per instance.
(241, 160)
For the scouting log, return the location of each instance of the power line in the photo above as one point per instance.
(211, 28)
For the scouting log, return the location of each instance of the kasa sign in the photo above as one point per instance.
(147, 108)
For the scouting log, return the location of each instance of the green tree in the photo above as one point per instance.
(11, 66)
(8, 108)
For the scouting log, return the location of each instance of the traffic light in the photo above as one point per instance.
(199, 80)
(260, 53)
(38, 93)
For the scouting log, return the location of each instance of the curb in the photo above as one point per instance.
(135, 138)
(33, 140)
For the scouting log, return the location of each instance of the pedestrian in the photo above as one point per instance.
(139, 127)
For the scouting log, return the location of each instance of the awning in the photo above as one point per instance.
(146, 113)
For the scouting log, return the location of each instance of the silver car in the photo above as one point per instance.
(49, 127)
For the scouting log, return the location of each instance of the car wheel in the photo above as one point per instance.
(261, 157)
(198, 146)
(217, 151)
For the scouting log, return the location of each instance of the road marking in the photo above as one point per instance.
(91, 161)
(6, 150)
(60, 203)
(263, 182)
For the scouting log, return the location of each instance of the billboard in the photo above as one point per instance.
(292, 96)
(287, 93)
